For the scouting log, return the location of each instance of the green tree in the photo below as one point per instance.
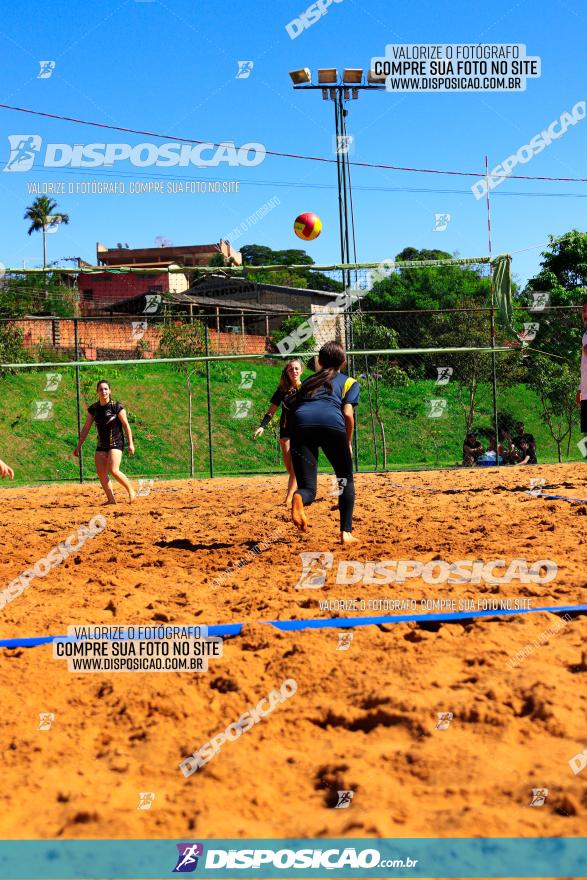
(381, 369)
(563, 275)
(35, 295)
(472, 328)
(12, 350)
(555, 383)
(425, 289)
(289, 325)
(281, 276)
(260, 255)
(42, 215)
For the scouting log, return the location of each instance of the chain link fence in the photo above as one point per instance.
(420, 394)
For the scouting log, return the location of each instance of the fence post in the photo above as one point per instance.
(78, 399)
(494, 384)
(210, 443)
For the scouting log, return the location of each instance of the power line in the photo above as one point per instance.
(286, 184)
(277, 153)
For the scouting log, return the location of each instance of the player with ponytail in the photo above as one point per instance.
(323, 417)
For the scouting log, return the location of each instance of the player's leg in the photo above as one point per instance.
(337, 451)
(304, 456)
(284, 442)
(101, 460)
(114, 459)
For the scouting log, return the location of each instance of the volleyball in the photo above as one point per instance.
(308, 226)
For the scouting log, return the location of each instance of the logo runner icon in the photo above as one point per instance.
(23, 149)
(314, 570)
(187, 861)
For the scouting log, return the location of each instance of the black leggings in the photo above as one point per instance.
(305, 443)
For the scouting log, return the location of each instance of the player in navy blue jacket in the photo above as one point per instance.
(323, 417)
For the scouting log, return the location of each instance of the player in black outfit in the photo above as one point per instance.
(323, 417)
(111, 420)
(286, 390)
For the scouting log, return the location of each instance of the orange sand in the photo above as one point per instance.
(362, 719)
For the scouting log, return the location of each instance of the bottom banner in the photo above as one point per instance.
(340, 858)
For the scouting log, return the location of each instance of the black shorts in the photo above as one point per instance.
(584, 416)
(108, 448)
(284, 429)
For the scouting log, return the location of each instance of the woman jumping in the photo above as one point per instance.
(289, 383)
(111, 420)
(323, 417)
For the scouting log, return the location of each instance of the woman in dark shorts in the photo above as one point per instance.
(323, 417)
(286, 390)
(111, 421)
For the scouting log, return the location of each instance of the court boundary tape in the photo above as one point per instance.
(235, 629)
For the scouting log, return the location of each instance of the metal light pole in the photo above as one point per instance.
(340, 90)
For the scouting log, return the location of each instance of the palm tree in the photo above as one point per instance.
(42, 214)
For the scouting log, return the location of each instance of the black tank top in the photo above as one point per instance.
(110, 434)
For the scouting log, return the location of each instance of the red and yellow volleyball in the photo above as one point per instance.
(307, 226)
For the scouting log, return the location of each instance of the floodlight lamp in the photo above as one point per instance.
(298, 77)
(374, 78)
(328, 75)
(352, 75)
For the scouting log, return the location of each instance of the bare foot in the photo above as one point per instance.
(298, 513)
(288, 500)
(347, 538)
(113, 501)
(131, 495)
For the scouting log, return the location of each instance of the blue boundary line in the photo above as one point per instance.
(561, 497)
(235, 629)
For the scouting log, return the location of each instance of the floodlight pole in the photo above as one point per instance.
(345, 257)
(338, 94)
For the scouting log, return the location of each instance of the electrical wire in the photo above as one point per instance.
(277, 153)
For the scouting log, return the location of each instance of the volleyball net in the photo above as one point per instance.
(439, 347)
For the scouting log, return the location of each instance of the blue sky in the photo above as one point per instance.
(170, 66)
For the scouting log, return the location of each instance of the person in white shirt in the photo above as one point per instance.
(582, 392)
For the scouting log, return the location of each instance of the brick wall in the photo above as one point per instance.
(119, 339)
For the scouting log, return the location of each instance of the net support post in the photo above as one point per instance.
(209, 403)
(78, 398)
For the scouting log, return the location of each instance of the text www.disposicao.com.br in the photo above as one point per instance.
(134, 664)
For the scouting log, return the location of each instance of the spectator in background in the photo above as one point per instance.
(489, 458)
(472, 449)
(528, 455)
(511, 454)
(525, 444)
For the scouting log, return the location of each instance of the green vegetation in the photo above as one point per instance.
(259, 255)
(37, 295)
(42, 216)
(433, 307)
(156, 398)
